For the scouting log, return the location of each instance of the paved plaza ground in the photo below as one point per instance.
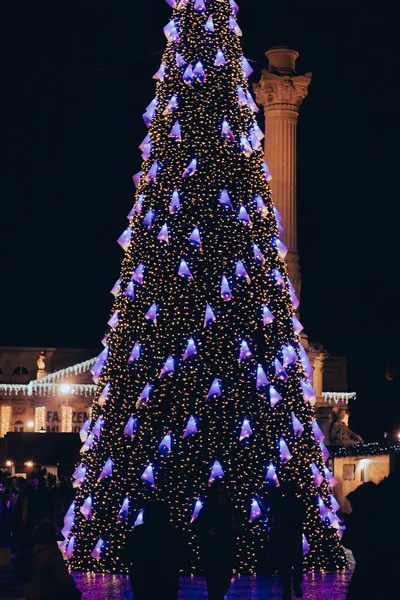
(318, 586)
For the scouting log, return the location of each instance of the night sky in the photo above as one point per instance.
(71, 126)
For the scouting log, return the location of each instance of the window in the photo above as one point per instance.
(20, 370)
(19, 426)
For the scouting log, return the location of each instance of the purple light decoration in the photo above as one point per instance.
(280, 281)
(104, 394)
(334, 503)
(160, 75)
(199, 6)
(277, 214)
(245, 351)
(209, 26)
(151, 314)
(86, 508)
(289, 355)
(318, 435)
(209, 317)
(215, 390)
(247, 70)
(258, 255)
(107, 469)
(274, 396)
(171, 106)
(79, 479)
(234, 7)
(139, 274)
(308, 391)
(197, 508)
(293, 297)
(245, 146)
(70, 548)
(191, 349)
(96, 552)
(220, 59)
(298, 428)
(217, 472)
(184, 270)
(323, 510)
(149, 218)
(195, 239)
(226, 131)
(139, 519)
(70, 516)
(244, 215)
(147, 151)
(242, 98)
(332, 481)
(188, 76)
(258, 132)
(153, 172)
(308, 369)
(261, 207)
(83, 432)
(199, 72)
(255, 511)
(234, 27)
(254, 141)
(297, 326)
(191, 427)
(246, 430)
(66, 530)
(268, 317)
(145, 142)
(175, 202)
(284, 451)
(266, 171)
(79, 473)
(226, 293)
(125, 239)
(176, 132)
(88, 443)
(130, 290)
(131, 427)
(135, 354)
(139, 205)
(325, 452)
(98, 426)
(306, 545)
(280, 371)
(113, 320)
(191, 169)
(179, 60)
(136, 178)
(171, 32)
(151, 109)
(262, 379)
(99, 364)
(253, 106)
(146, 393)
(148, 475)
(318, 478)
(171, 3)
(280, 229)
(124, 512)
(163, 236)
(168, 368)
(271, 476)
(333, 520)
(225, 200)
(165, 446)
(117, 288)
(241, 272)
(282, 249)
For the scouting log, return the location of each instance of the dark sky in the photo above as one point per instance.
(70, 136)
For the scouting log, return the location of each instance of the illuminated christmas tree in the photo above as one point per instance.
(202, 376)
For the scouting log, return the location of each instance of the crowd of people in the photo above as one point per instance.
(157, 551)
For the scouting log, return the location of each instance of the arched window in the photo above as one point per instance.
(20, 370)
(19, 426)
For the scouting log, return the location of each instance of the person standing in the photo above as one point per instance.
(217, 527)
(288, 515)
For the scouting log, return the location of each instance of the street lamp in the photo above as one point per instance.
(31, 424)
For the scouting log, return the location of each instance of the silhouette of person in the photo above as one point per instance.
(155, 553)
(288, 513)
(217, 527)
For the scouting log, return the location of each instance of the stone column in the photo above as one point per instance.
(281, 92)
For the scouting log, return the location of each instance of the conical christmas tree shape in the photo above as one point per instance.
(218, 184)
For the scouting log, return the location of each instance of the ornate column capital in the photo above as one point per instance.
(275, 91)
